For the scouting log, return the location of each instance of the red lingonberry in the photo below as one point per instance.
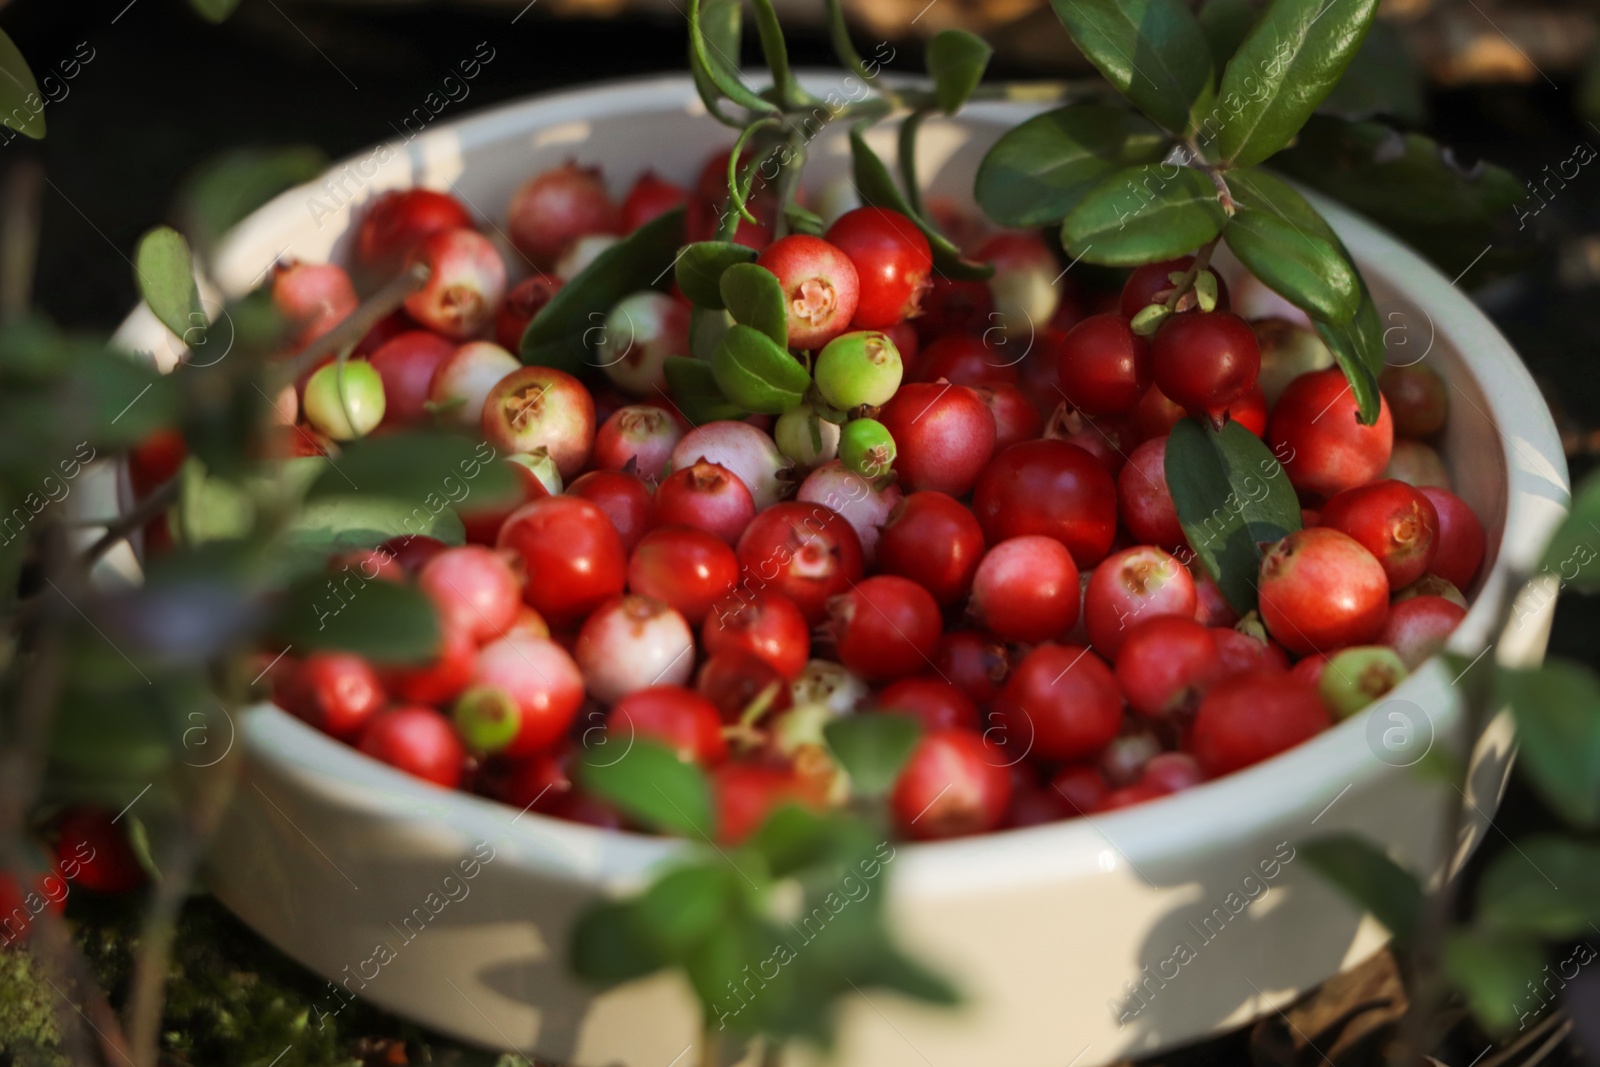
(746, 793)
(396, 221)
(542, 681)
(525, 300)
(1418, 399)
(892, 261)
(553, 209)
(466, 282)
(1166, 663)
(650, 197)
(933, 539)
(886, 627)
(1240, 651)
(931, 700)
(820, 288)
(406, 363)
(1103, 366)
(1153, 416)
(742, 686)
(863, 504)
(1391, 520)
(670, 715)
(1252, 716)
(440, 679)
(707, 496)
(1309, 669)
(92, 851)
(1049, 488)
(1205, 362)
(463, 380)
(156, 460)
(1152, 284)
(954, 784)
(747, 452)
(418, 741)
(1250, 411)
(1102, 438)
(807, 552)
(1131, 586)
(764, 623)
(475, 588)
(944, 435)
(975, 662)
(685, 568)
(623, 497)
(337, 692)
(541, 407)
(1081, 786)
(632, 642)
(1172, 772)
(1461, 539)
(1015, 416)
(1146, 501)
(951, 306)
(1211, 608)
(1418, 627)
(1034, 806)
(964, 359)
(540, 782)
(412, 551)
(1315, 433)
(1321, 591)
(1123, 760)
(572, 553)
(1064, 700)
(638, 437)
(481, 520)
(1026, 589)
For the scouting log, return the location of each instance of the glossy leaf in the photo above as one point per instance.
(873, 749)
(226, 188)
(757, 374)
(754, 297)
(1286, 65)
(1571, 554)
(650, 784)
(21, 106)
(1152, 51)
(381, 620)
(164, 271)
(1141, 214)
(877, 188)
(609, 946)
(1037, 172)
(1494, 971)
(1383, 78)
(1547, 887)
(1558, 726)
(695, 393)
(1225, 24)
(956, 61)
(1231, 496)
(1286, 244)
(563, 333)
(425, 466)
(700, 267)
(1357, 347)
(331, 524)
(1371, 879)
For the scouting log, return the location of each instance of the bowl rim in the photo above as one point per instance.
(1240, 806)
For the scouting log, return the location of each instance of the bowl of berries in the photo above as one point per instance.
(907, 629)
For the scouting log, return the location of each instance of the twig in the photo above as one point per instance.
(19, 239)
(135, 519)
(372, 311)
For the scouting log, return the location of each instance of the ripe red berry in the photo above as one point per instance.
(1049, 488)
(955, 783)
(1131, 586)
(466, 283)
(706, 496)
(975, 662)
(746, 793)
(932, 700)
(1315, 434)
(1026, 589)
(1418, 627)
(742, 686)
(93, 852)
(1250, 411)
(418, 741)
(1211, 608)
(640, 438)
(685, 568)
(670, 715)
(1062, 703)
(313, 297)
(820, 288)
(964, 359)
(892, 261)
(861, 503)
(1418, 399)
(412, 551)
(1172, 772)
(337, 692)
(1153, 416)
(624, 498)
(481, 520)
(553, 209)
(525, 300)
(1015, 416)
(1321, 591)
(1461, 539)
(951, 306)
(650, 197)
(543, 682)
(572, 554)
(1103, 366)
(944, 435)
(764, 623)
(1252, 716)
(474, 588)
(1205, 362)
(1103, 438)
(1152, 284)
(1146, 501)
(1241, 651)
(541, 407)
(155, 460)
(1166, 663)
(1081, 786)
(442, 678)
(396, 221)
(886, 627)
(747, 452)
(1391, 520)
(933, 539)
(632, 642)
(807, 552)
(406, 364)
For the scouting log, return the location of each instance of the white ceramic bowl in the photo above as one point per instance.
(1197, 900)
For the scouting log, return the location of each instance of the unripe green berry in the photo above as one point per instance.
(345, 399)
(866, 447)
(1355, 677)
(487, 718)
(806, 437)
(859, 368)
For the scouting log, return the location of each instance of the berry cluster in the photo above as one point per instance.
(965, 519)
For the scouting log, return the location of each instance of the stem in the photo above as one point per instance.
(117, 530)
(770, 31)
(1202, 259)
(19, 239)
(907, 152)
(372, 310)
(789, 181)
(736, 193)
(843, 47)
(728, 86)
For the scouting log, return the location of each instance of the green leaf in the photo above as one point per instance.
(700, 267)
(1285, 243)
(1547, 886)
(224, 189)
(889, 968)
(1226, 23)
(795, 838)
(683, 906)
(1570, 556)
(19, 93)
(214, 10)
(1371, 879)
(1038, 171)
(694, 390)
(164, 271)
(1152, 51)
(873, 748)
(757, 374)
(378, 619)
(1287, 64)
(1383, 78)
(651, 785)
(1139, 215)
(562, 334)
(331, 524)
(1357, 347)
(1493, 970)
(714, 58)
(609, 946)
(1231, 496)
(754, 297)
(877, 188)
(1558, 726)
(426, 467)
(956, 61)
